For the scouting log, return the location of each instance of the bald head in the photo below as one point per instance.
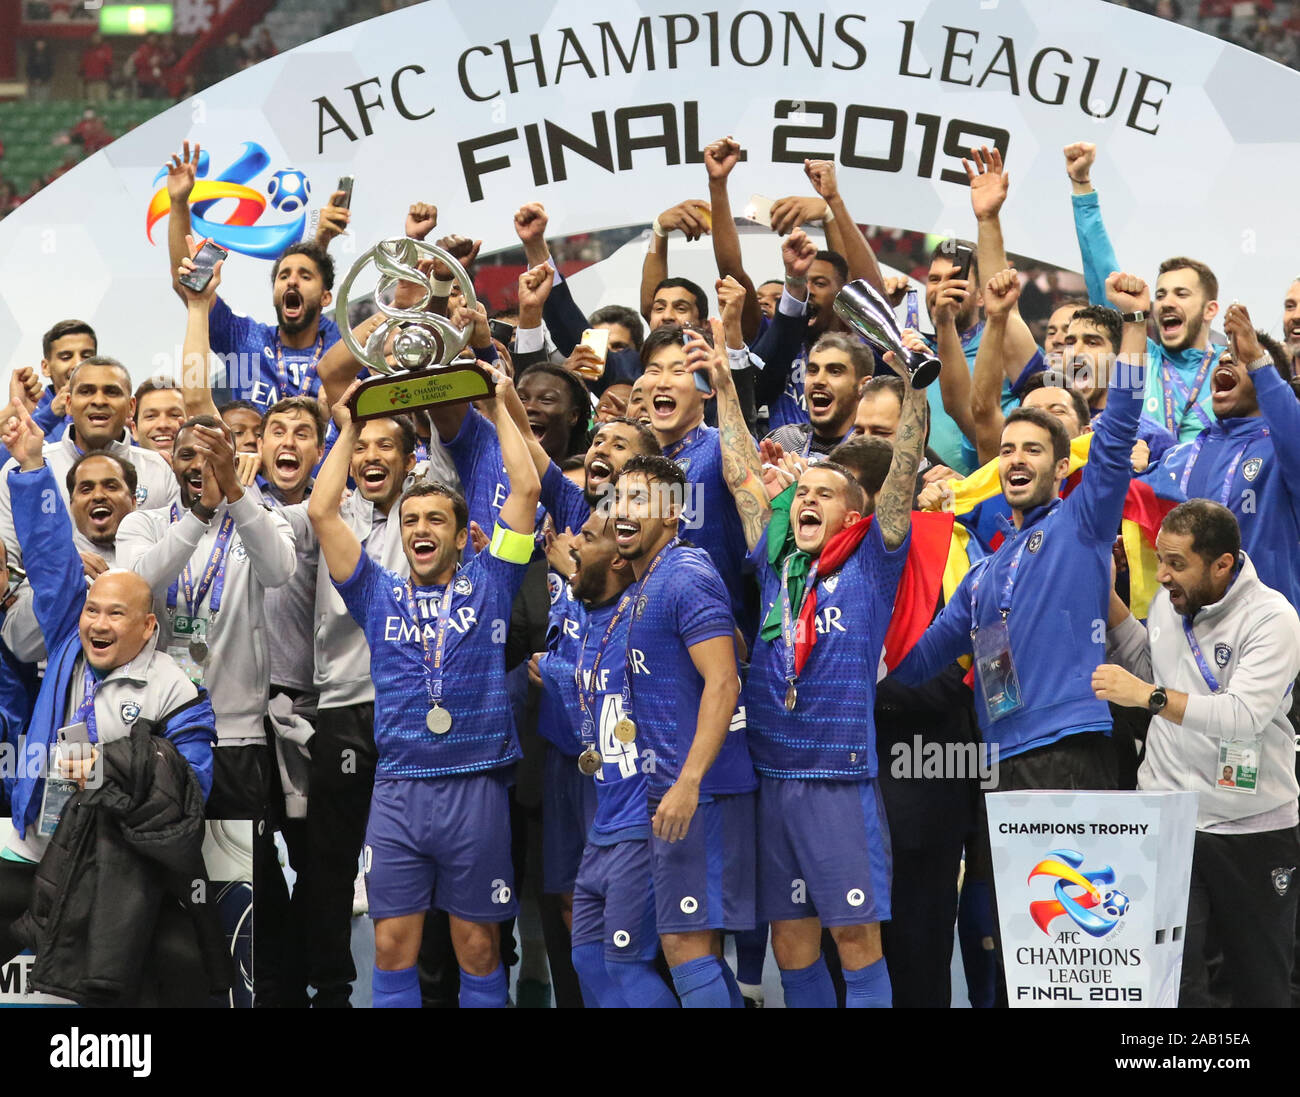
(117, 620)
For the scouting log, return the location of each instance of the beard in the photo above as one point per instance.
(309, 316)
(1191, 332)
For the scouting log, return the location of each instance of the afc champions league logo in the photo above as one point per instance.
(1088, 898)
(287, 191)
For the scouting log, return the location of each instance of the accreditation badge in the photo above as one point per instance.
(189, 646)
(1238, 767)
(996, 670)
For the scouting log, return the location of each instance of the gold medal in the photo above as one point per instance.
(625, 730)
(791, 698)
(588, 762)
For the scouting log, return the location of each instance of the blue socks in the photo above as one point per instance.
(640, 985)
(395, 989)
(701, 985)
(483, 991)
(809, 987)
(599, 990)
(868, 988)
(733, 988)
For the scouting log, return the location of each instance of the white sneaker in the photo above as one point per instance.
(752, 993)
(360, 904)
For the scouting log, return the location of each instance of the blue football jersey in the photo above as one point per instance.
(564, 501)
(482, 734)
(709, 519)
(791, 407)
(684, 603)
(476, 455)
(280, 371)
(831, 734)
(557, 711)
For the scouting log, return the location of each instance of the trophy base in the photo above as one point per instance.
(926, 373)
(413, 390)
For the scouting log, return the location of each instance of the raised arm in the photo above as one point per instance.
(195, 379)
(988, 191)
(180, 184)
(741, 467)
(852, 244)
(955, 374)
(719, 158)
(1094, 243)
(1000, 296)
(1277, 402)
(519, 511)
(693, 217)
(894, 503)
(338, 543)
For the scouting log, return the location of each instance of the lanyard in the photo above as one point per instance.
(1201, 664)
(432, 660)
(1009, 586)
(1172, 381)
(688, 439)
(788, 615)
(86, 712)
(913, 311)
(214, 572)
(282, 372)
(1232, 468)
(635, 595)
(587, 693)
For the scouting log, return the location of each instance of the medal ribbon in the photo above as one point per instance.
(913, 311)
(432, 661)
(681, 443)
(1173, 382)
(1201, 664)
(788, 637)
(1232, 468)
(214, 572)
(635, 593)
(587, 696)
(282, 372)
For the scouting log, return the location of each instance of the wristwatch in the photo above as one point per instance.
(1158, 699)
(1134, 317)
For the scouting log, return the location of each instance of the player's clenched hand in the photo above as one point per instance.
(673, 818)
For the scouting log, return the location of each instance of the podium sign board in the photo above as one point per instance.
(1092, 894)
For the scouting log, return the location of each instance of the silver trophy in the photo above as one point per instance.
(425, 346)
(864, 310)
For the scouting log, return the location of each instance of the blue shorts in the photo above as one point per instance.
(614, 900)
(568, 807)
(441, 842)
(706, 881)
(823, 852)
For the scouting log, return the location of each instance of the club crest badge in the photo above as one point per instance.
(1222, 653)
(1035, 541)
(1251, 468)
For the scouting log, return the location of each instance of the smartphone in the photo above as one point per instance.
(759, 209)
(208, 257)
(345, 185)
(701, 378)
(74, 734)
(962, 257)
(598, 340)
(501, 331)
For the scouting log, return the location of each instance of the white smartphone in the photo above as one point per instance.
(759, 209)
(598, 340)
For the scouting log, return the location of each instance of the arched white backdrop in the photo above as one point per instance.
(600, 113)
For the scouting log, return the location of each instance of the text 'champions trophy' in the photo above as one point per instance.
(413, 353)
(864, 310)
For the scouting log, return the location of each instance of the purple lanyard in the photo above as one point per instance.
(681, 443)
(1172, 381)
(913, 311)
(214, 572)
(1232, 468)
(432, 660)
(587, 693)
(634, 593)
(1008, 587)
(1201, 664)
(282, 373)
(86, 711)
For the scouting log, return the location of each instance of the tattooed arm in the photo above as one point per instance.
(741, 467)
(894, 503)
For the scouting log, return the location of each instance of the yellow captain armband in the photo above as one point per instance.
(514, 548)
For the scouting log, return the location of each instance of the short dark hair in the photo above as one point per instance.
(308, 405)
(155, 384)
(579, 399)
(701, 299)
(1041, 381)
(1045, 421)
(241, 405)
(63, 329)
(1276, 351)
(1213, 528)
(644, 435)
(100, 360)
(405, 431)
(316, 254)
(1107, 319)
(576, 463)
(212, 421)
(431, 487)
(884, 382)
(629, 318)
(1209, 283)
(129, 475)
(670, 335)
(860, 357)
(868, 459)
(855, 494)
(772, 282)
(654, 466)
(835, 259)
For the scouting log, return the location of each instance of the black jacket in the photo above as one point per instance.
(121, 851)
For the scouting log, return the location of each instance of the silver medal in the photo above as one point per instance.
(438, 721)
(199, 651)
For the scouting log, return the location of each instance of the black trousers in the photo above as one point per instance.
(1243, 886)
(324, 849)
